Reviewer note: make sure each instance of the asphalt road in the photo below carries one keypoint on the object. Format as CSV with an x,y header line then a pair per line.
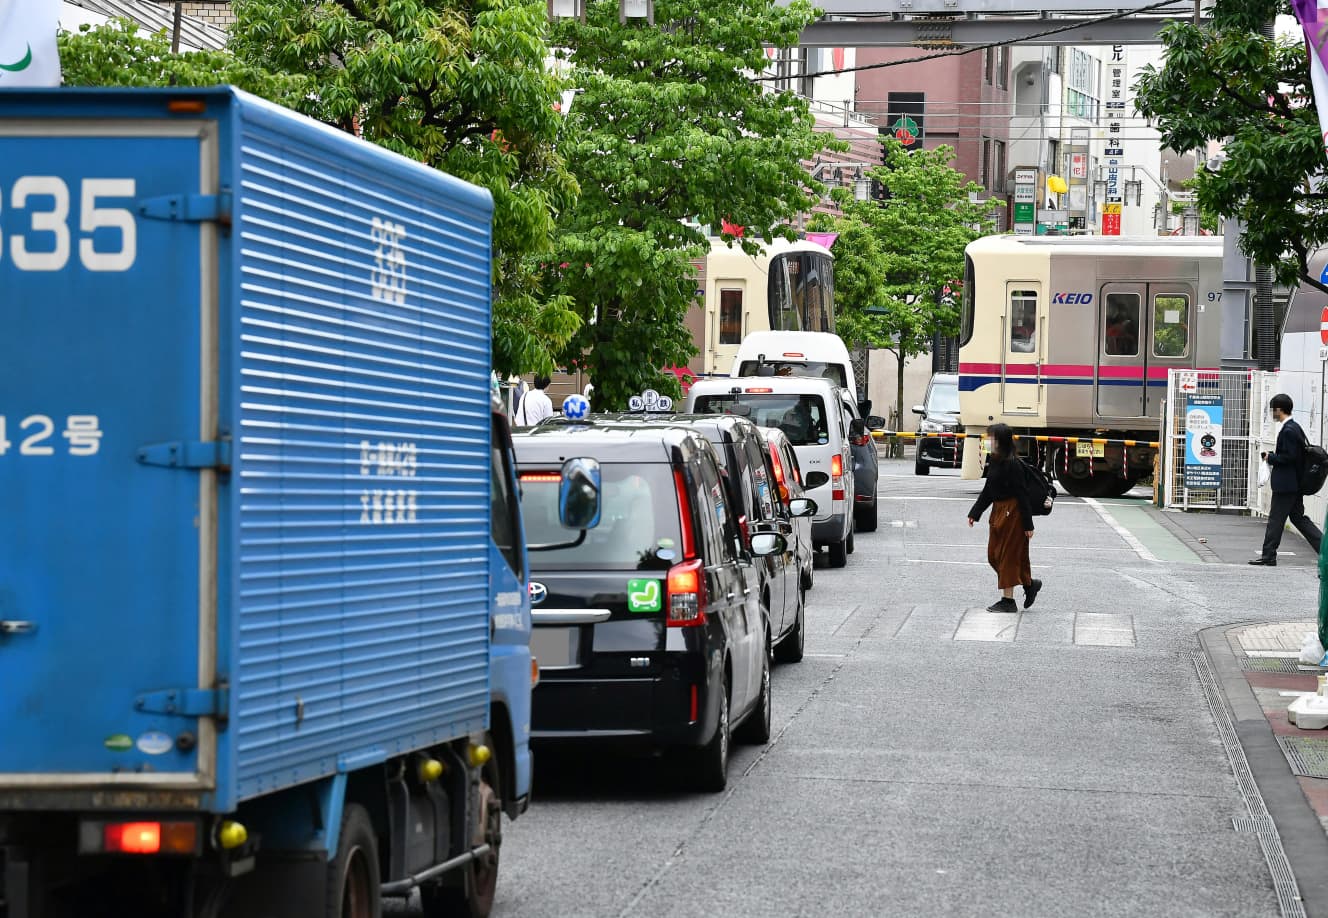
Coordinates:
x,y
930,760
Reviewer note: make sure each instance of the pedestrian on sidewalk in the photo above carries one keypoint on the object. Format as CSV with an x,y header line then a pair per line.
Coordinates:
x,y
535,405
1006,493
1287,461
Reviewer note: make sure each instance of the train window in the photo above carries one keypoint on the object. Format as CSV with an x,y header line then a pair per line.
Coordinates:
x,y
1120,329
1171,325
1023,321
730,317
966,303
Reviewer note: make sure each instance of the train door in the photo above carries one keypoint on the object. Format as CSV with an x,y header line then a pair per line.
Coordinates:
x,y
729,317
1021,351
1143,331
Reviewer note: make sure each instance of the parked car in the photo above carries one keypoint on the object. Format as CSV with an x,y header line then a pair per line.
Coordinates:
x,y
810,413
940,414
648,628
750,477
789,486
866,464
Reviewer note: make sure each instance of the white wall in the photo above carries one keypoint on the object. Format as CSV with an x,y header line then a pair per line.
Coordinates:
x,y
882,384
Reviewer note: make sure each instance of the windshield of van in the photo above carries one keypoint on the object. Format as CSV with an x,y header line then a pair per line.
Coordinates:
x,y
944,398
801,417
815,369
638,527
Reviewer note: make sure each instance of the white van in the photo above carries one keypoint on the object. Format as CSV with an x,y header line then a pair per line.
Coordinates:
x,y
795,353
817,422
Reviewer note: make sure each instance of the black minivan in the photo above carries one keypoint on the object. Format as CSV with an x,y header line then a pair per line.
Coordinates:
x,y
647,626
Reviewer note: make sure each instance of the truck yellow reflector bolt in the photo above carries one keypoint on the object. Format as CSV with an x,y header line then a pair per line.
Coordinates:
x,y
231,835
478,754
430,770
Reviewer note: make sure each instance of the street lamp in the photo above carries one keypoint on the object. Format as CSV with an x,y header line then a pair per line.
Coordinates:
x,y
567,9
636,9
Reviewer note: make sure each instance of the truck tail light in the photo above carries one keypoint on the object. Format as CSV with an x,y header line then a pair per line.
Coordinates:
x,y
837,477
139,837
687,594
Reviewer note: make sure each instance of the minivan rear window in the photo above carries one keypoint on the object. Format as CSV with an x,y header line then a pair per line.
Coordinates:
x,y
816,369
801,417
638,527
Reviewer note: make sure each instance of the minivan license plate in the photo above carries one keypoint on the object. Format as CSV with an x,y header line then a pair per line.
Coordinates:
x,y
555,647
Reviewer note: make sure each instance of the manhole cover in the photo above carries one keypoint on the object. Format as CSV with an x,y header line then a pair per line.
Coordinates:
x,y
1276,665
1307,756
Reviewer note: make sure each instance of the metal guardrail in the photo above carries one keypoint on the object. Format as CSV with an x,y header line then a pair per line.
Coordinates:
x,y
1037,438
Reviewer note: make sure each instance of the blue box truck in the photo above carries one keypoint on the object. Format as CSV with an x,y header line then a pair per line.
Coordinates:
x,y
264,621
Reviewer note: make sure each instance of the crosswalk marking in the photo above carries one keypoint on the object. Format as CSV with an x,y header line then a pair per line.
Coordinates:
x,y
1104,629
981,625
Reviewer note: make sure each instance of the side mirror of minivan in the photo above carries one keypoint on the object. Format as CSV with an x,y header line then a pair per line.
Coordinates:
x,y
919,409
875,422
768,543
815,480
578,494
802,506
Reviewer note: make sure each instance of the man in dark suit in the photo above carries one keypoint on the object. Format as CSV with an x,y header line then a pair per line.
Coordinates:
x,y
1287,461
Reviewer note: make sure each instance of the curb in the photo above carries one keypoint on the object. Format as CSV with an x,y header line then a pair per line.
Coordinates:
x,y
1303,837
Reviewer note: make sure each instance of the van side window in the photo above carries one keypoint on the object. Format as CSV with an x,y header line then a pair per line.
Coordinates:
x,y
764,480
716,511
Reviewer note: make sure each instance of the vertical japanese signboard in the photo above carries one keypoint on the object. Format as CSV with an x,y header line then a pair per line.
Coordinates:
x,y
1115,107
1111,214
1203,441
1025,201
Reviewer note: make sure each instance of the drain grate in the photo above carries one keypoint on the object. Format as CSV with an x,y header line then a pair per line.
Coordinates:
x,y
1276,665
1307,756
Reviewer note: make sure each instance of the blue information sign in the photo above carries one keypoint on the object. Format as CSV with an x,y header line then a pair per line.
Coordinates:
x,y
1203,441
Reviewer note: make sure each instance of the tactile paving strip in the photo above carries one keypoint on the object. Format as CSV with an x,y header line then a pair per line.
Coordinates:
x,y
1307,756
1276,665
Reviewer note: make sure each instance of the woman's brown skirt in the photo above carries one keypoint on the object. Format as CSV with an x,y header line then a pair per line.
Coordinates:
x,y
1007,546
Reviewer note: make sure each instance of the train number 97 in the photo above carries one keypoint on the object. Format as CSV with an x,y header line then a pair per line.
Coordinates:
x,y
1214,297
45,199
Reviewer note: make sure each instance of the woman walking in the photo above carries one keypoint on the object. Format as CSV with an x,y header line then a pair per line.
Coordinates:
x,y
1011,520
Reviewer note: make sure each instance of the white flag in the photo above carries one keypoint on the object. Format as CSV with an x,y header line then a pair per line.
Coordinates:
x,y
28,53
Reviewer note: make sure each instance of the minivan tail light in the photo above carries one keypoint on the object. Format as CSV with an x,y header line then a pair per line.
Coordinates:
x,y
759,390
684,515
793,354
778,465
837,477
686,585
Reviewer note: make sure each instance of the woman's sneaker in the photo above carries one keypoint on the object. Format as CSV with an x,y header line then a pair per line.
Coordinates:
x,y
1003,605
1031,591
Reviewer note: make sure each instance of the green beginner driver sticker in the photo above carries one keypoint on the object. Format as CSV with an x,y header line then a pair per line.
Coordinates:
x,y
644,595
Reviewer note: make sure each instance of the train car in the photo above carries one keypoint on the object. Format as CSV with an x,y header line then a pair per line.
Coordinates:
x,y
1074,336
788,286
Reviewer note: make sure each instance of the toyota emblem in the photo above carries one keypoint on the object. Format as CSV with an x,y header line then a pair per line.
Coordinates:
x,y
538,593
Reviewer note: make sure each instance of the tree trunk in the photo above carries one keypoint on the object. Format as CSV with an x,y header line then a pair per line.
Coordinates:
x,y
898,449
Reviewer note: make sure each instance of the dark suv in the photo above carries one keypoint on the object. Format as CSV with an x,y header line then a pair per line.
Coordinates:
x,y
648,627
940,415
745,463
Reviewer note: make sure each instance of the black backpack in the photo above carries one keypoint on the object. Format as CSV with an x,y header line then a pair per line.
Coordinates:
x,y
1041,492
1313,467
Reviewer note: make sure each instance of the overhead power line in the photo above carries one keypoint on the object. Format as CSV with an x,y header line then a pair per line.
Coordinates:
x,y
1078,24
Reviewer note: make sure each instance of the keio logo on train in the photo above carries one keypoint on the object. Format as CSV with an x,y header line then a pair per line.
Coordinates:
x,y
1082,299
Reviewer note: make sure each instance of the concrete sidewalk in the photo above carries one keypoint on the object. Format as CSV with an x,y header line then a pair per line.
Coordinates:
x,y
1282,770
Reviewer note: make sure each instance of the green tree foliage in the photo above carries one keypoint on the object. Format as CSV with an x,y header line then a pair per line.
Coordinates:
x,y
119,54
898,263
1226,82
669,127
460,85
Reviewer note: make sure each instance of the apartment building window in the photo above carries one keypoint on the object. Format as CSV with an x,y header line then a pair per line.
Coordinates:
x,y
1003,67
997,178
988,64
985,170
814,60
1084,85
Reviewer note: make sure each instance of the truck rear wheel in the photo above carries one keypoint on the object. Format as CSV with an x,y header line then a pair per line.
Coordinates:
x,y
473,896
353,881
